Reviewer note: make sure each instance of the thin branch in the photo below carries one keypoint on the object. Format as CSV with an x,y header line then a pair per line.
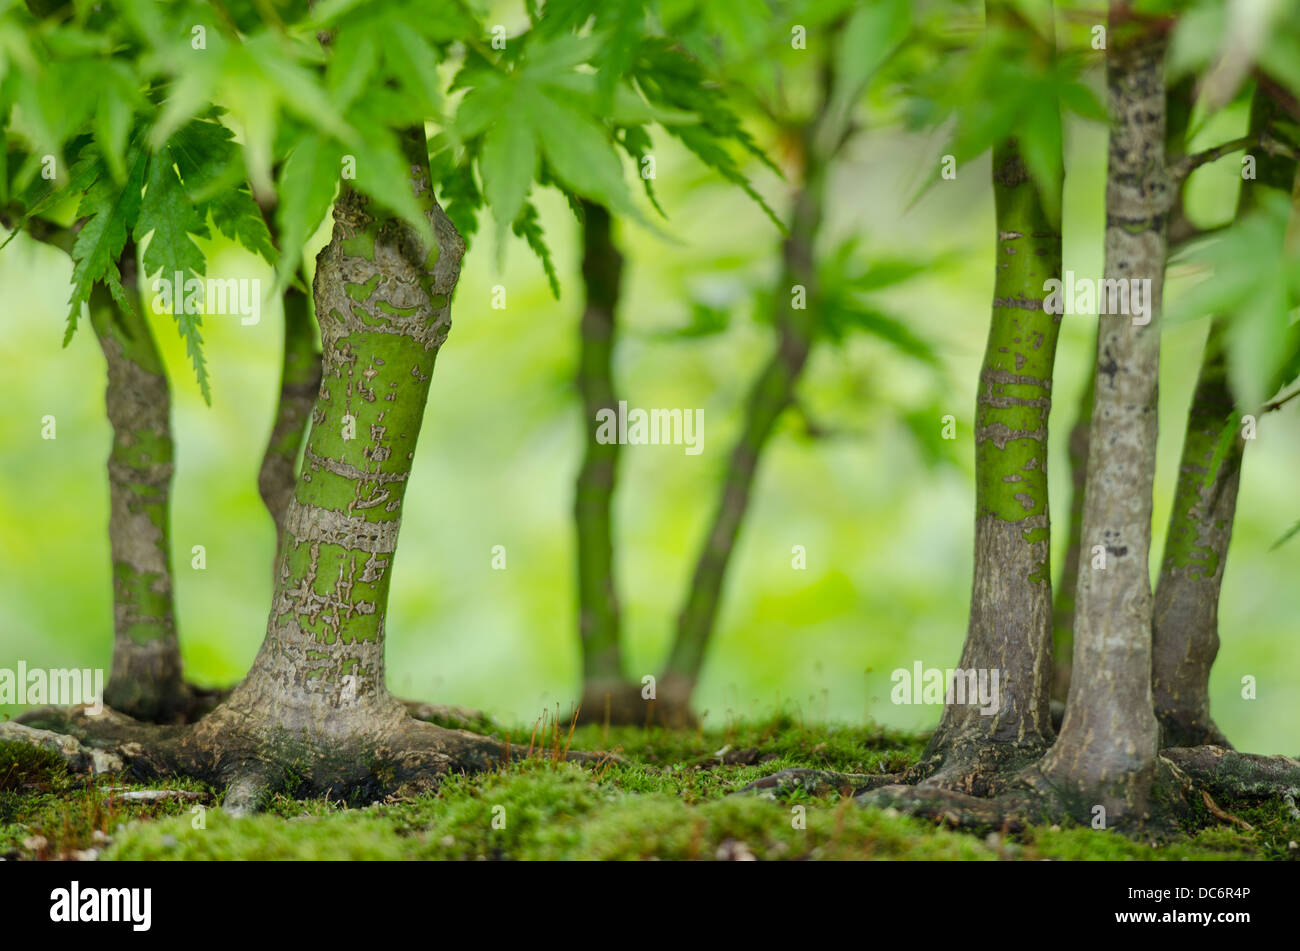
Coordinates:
x,y
1279,403
1188,164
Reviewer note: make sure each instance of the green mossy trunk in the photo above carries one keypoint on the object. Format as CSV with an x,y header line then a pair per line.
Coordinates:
x,y
145,681
382,302
1010,625
1106,752
1010,629
769,396
1186,635
604,685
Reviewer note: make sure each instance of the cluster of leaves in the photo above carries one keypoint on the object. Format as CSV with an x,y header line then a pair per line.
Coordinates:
x,y
987,83
161,116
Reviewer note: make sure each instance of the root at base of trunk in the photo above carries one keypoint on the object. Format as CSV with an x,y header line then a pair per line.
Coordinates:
x,y
974,765
1183,778
1191,786
253,760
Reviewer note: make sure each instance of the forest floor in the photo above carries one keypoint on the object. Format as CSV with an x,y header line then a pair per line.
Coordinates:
x,y
670,797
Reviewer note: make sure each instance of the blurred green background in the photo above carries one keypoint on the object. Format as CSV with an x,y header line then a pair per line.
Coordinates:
x,y
888,535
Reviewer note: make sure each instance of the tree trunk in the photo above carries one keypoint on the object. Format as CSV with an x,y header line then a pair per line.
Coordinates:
x,y
1010,628
382,302
771,393
1106,752
145,681
1186,636
606,693
1063,606
300,376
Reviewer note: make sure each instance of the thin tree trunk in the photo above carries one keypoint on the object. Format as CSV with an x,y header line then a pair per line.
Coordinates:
x,y
1063,607
300,376
606,693
1010,629
382,302
771,393
1186,635
1106,752
145,681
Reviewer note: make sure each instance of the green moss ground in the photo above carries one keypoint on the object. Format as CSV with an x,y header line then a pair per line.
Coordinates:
x,y
667,800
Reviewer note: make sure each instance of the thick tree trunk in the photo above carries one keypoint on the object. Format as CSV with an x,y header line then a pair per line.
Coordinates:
x,y
1010,630
606,694
382,302
1186,635
300,376
1106,752
1063,606
145,681
771,393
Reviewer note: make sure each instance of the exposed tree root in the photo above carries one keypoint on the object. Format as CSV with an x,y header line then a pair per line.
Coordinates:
x,y
817,782
1231,776
974,766
78,757
956,809
459,718
1191,785
253,761
1032,798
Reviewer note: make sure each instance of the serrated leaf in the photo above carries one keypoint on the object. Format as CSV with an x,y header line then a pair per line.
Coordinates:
x,y
238,217
508,164
528,227
170,221
110,211
579,151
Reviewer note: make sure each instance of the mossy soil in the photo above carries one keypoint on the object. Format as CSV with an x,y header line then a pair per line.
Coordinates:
x,y
668,797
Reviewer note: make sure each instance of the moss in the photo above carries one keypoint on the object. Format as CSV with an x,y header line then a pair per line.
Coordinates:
x,y
24,765
670,798
65,816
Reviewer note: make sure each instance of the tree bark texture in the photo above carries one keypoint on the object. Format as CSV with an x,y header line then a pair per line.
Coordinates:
x,y
1106,752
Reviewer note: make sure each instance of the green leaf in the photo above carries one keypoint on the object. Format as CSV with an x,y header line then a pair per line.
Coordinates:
x,y
169,216
309,178
528,227
579,150
110,211
238,217
508,164
873,32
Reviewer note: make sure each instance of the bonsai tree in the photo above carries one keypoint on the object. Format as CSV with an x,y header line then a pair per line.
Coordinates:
x,y
338,100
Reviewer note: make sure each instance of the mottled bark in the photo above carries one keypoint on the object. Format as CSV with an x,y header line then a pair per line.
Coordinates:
x,y
769,396
1010,628
382,302
300,376
1106,752
1186,636
598,611
1063,606
145,680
